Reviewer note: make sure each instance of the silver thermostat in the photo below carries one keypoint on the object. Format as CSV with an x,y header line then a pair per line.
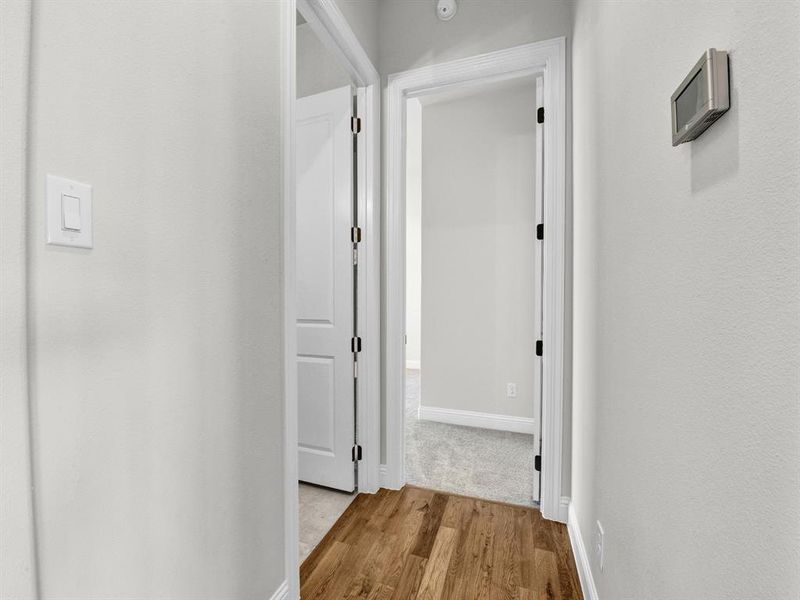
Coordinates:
x,y
701,98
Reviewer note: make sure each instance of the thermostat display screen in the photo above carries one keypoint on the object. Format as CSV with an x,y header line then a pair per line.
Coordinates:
x,y
691,101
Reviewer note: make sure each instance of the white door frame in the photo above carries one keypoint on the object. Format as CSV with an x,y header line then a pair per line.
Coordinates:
x,y
327,21
547,59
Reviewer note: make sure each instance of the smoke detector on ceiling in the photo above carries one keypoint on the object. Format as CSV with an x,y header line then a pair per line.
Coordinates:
x,y
446,9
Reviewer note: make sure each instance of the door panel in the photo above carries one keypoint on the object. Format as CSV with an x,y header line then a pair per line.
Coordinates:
x,y
326,410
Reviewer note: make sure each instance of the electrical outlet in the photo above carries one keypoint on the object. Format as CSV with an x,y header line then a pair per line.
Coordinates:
x,y
598,544
511,390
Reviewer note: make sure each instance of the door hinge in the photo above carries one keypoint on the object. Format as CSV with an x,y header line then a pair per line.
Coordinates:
x,y
537,462
355,124
538,347
355,344
357,453
540,231
355,235
540,115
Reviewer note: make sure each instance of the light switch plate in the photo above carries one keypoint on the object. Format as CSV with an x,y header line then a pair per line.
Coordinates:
x,y
69,213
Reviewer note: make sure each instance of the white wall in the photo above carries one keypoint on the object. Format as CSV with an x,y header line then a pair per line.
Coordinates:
x,y
413,233
687,303
156,357
362,16
412,36
17,560
478,247
317,69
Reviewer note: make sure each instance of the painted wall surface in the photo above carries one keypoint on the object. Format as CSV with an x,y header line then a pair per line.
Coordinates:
x,y
363,18
156,357
17,559
411,35
687,303
478,249
317,69
413,233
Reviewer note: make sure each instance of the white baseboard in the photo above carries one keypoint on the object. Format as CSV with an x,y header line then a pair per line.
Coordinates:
x,y
471,418
581,558
414,365
282,593
383,479
563,510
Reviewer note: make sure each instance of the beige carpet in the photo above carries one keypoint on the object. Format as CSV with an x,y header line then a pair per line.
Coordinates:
x,y
496,465
320,508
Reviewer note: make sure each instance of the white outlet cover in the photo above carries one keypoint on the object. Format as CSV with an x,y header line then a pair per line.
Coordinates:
x,y
599,541
77,230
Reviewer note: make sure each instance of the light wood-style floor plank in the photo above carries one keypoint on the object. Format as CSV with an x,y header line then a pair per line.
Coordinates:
x,y
436,569
421,544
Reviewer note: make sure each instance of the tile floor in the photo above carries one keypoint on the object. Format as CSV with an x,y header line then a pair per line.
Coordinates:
x,y
320,508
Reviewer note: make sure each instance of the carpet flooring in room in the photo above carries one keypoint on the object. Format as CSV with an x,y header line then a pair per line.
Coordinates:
x,y
483,463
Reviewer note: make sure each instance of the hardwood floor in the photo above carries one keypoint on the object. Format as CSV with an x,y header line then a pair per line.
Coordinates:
x,y
418,543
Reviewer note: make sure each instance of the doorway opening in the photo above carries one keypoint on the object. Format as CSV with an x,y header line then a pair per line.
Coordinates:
x,y
546,61
474,290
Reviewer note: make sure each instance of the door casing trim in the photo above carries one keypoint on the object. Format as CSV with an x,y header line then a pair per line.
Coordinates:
x,y
330,25
547,59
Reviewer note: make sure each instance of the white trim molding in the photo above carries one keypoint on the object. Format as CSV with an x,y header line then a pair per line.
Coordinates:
x,y
384,482
327,21
548,60
331,27
470,418
282,593
413,365
581,557
291,503
369,289
563,509
333,30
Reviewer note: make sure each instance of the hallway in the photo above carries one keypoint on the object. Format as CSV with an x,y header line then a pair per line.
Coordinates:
x,y
417,543
229,229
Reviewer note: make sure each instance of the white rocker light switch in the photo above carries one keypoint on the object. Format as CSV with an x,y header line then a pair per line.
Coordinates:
x,y
69,213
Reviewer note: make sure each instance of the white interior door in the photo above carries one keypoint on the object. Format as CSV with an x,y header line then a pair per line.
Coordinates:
x,y
325,303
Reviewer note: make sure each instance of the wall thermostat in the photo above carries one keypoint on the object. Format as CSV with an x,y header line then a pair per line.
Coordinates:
x,y
701,98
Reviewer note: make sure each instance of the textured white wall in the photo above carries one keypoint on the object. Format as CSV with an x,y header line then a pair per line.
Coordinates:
x,y
156,357
17,560
317,69
412,36
362,16
687,303
478,249
413,231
